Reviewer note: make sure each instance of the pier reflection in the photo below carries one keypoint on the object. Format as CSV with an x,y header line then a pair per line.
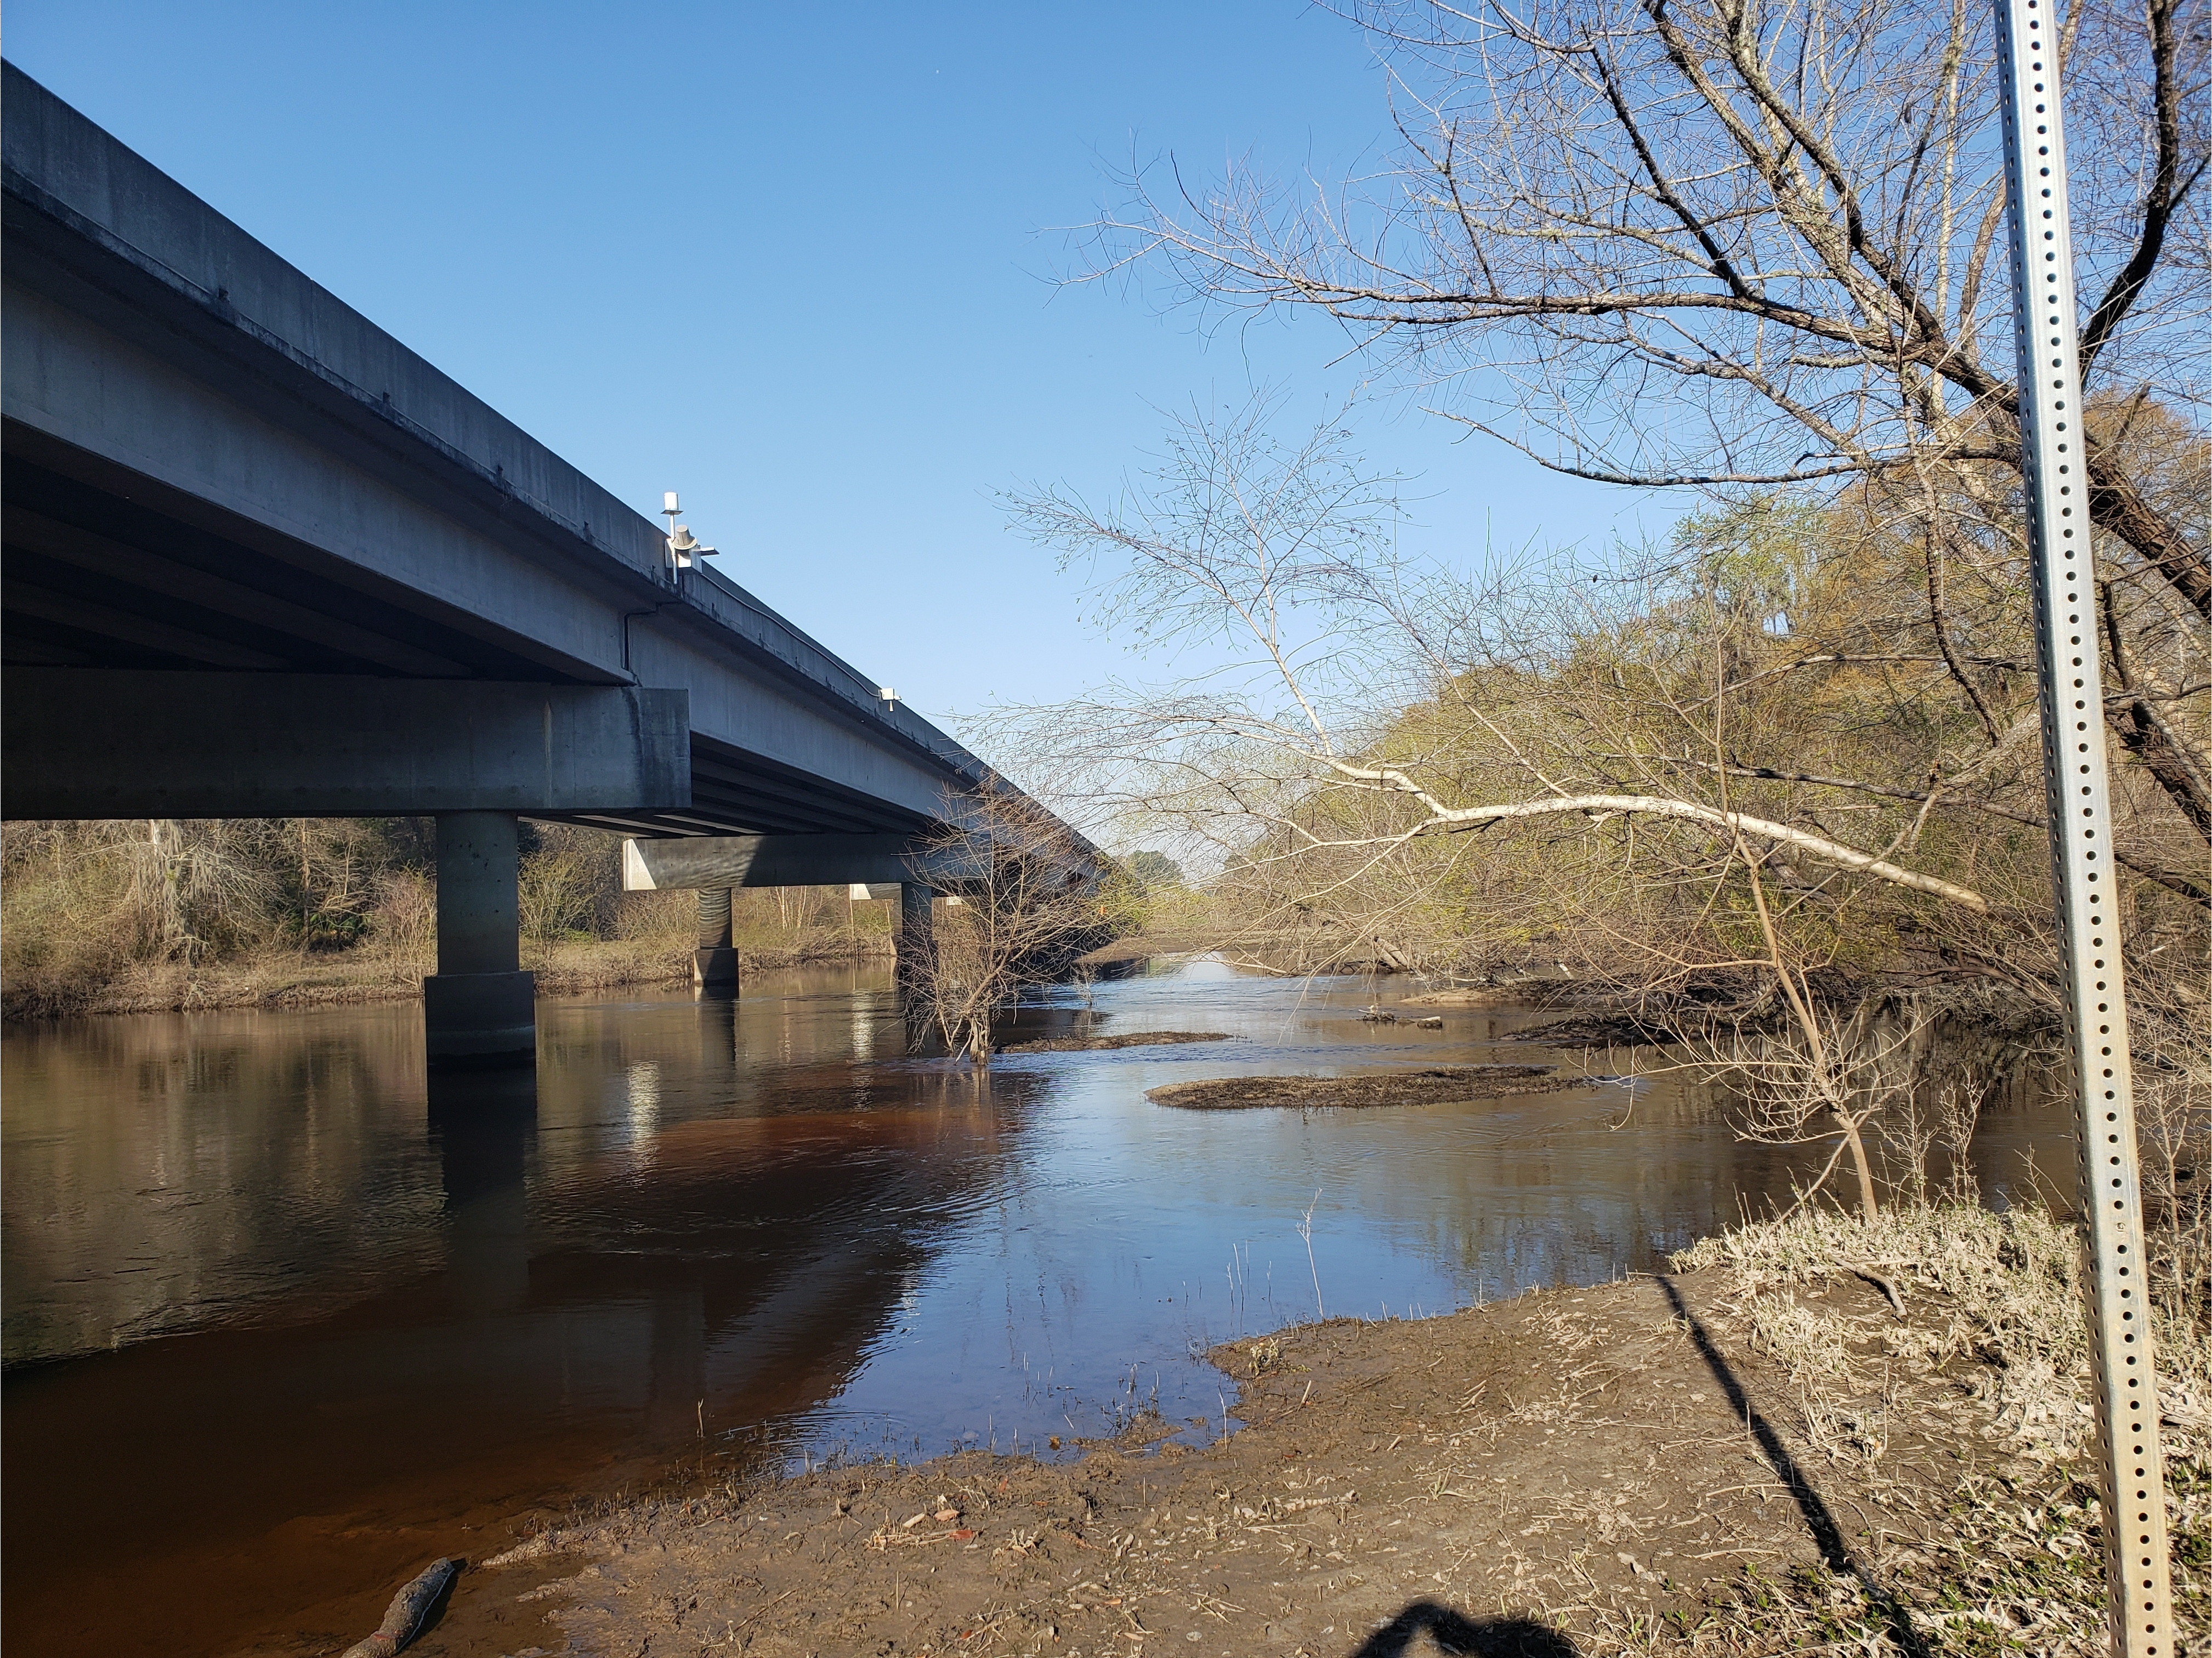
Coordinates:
x,y
503,1290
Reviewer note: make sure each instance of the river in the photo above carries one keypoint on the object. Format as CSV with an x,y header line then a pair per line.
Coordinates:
x,y
282,1322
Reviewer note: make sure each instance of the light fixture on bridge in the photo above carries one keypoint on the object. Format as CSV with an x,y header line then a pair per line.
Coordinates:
x,y
687,547
888,697
682,546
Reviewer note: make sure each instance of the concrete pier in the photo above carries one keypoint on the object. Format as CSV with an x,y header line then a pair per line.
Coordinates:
x,y
714,964
479,1008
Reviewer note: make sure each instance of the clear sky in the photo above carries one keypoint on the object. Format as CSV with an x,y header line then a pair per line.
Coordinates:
x,y
795,262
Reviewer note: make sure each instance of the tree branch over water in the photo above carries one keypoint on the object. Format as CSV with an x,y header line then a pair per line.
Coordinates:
x,y
1428,764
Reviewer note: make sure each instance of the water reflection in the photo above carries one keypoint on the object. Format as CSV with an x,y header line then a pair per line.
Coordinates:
x,y
319,1315
390,1313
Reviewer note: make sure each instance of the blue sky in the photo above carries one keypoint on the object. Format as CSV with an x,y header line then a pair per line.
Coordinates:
x,y
795,262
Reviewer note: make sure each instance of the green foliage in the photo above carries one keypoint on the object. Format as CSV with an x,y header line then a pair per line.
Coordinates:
x,y
1750,559
1123,904
1152,870
1778,661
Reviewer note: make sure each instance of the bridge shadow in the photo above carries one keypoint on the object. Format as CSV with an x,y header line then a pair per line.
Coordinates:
x,y
1460,1636
1819,1520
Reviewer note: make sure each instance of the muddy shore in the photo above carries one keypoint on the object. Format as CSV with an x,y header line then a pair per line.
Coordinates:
x,y
1583,1472
1429,1085
1110,1044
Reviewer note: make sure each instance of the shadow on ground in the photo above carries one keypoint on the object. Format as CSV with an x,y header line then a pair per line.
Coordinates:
x,y
1819,1519
1458,1636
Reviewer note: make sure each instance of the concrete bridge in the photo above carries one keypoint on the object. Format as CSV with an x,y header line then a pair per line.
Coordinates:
x,y
263,561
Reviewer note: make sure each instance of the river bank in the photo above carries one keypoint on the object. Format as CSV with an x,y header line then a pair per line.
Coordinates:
x,y
277,980
1753,1453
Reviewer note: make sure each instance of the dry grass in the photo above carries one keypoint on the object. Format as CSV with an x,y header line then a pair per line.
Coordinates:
x,y
1991,1346
174,916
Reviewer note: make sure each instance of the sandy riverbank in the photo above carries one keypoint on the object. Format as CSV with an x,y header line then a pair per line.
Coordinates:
x,y
1758,1457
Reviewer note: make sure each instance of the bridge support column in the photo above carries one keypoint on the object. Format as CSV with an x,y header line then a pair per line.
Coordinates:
x,y
915,940
479,1008
714,964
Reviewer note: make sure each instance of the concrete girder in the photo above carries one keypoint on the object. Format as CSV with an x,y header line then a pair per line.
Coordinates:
x,y
114,742
788,861
215,465
158,353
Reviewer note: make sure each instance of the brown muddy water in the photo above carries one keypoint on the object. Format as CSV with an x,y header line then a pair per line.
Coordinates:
x,y
281,1323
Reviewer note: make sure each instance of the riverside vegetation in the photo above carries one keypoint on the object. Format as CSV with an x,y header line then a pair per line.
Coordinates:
x,y
153,914
1763,797
1740,805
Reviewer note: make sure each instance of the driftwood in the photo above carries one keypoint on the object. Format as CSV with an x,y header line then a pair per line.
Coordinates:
x,y
410,1609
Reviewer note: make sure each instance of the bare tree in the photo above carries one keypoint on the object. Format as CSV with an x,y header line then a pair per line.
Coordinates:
x,y
1027,905
193,884
1305,752
1733,243
1820,1072
1740,758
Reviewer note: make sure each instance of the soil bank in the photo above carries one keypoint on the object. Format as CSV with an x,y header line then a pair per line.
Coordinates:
x,y
279,980
1572,1473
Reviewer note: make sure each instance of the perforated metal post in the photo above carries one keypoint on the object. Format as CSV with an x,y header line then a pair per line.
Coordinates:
x,y
2139,1602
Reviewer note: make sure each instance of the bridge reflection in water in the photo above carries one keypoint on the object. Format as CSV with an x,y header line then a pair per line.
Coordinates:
x,y
275,1333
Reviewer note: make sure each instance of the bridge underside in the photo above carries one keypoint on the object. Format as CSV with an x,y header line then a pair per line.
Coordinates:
x,y
733,793
107,568
262,561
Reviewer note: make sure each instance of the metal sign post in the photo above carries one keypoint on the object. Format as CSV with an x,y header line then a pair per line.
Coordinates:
x,y
2053,446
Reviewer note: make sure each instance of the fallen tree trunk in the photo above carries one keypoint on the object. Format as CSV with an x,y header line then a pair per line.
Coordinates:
x,y
409,1610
